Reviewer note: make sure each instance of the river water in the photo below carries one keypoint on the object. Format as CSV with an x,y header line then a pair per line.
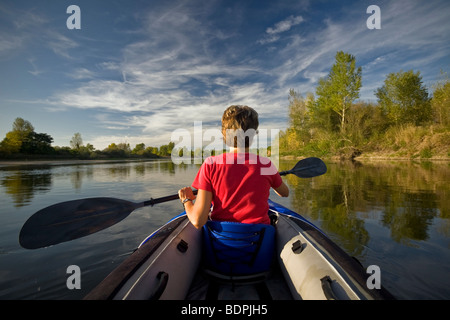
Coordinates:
x,y
392,214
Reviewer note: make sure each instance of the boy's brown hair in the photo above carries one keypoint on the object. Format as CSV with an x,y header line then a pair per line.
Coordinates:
x,y
238,123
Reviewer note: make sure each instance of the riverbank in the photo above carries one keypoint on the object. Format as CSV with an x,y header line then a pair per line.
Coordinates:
x,y
372,157
362,157
4,163
382,157
408,142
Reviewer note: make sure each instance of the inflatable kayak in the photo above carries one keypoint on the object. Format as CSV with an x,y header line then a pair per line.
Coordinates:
x,y
289,259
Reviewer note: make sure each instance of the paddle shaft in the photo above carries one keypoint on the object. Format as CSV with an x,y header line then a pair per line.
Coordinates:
x,y
172,197
283,173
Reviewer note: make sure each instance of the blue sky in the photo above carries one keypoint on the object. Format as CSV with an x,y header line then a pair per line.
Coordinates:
x,y
138,70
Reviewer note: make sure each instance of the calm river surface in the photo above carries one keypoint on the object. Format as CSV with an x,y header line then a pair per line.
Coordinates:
x,y
392,214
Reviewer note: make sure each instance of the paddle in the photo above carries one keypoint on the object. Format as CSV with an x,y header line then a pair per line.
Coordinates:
x,y
307,168
74,219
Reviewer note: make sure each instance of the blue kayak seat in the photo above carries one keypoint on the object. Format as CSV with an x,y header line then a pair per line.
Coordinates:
x,y
236,251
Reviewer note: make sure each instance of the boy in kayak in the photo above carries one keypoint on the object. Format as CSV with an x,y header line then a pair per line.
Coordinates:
x,y
237,184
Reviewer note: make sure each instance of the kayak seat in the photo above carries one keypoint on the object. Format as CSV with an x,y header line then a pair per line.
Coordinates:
x,y
233,250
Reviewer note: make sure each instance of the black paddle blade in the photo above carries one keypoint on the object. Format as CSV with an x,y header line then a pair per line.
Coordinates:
x,y
307,168
73,219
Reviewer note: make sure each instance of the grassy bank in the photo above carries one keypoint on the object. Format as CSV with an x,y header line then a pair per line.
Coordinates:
x,y
410,142
400,142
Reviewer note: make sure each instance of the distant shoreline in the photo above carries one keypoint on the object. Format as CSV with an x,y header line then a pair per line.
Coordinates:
x,y
8,163
372,157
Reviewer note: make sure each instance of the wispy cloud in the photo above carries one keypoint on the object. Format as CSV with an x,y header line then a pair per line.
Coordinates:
x,y
171,71
36,71
272,33
26,29
285,25
9,43
61,45
81,74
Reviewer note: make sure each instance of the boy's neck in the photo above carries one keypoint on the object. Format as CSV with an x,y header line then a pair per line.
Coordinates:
x,y
239,150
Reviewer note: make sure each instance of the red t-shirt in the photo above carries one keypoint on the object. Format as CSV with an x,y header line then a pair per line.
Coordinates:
x,y
240,184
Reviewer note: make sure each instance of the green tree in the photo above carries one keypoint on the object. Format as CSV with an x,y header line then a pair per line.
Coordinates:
x,y
139,149
299,114
14,139
11,143
404,99
76,142
120,150
367,121
166,149
87,151
151,151
37,143
338,90
441,102
23,139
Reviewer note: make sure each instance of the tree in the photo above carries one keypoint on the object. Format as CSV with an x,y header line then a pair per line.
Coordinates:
x,y
339,89
441,102
151,151
23,127
120,150
14,139
11,143
76,141
139,149
86,152
23,139
37,143
166,149
404,99
298,133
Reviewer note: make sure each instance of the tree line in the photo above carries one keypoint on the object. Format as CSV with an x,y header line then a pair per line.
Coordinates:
x,y
23,142
406,120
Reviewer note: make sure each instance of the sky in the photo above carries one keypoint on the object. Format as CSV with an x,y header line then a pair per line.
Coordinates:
x,y
138,70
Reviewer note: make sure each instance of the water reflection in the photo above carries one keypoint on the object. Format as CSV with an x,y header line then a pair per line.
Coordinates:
x,y
23,185
78,174
405,197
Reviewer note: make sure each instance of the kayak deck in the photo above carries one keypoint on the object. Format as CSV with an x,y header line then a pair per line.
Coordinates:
x,y
308,265
274,287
